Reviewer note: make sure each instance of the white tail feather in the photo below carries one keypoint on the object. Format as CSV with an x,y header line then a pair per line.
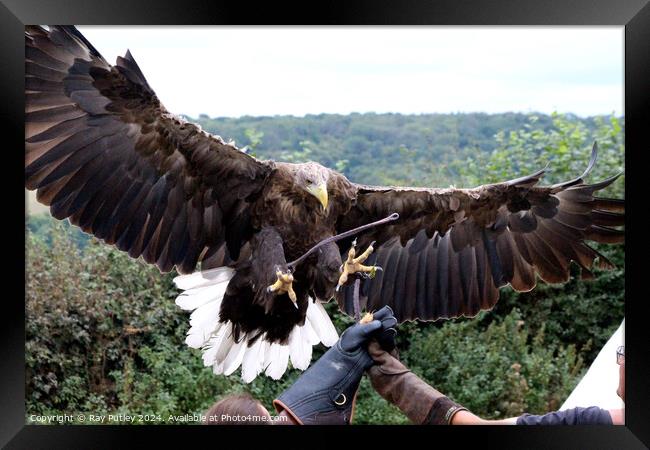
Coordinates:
x,y
208,356
218,341
225,346
204,323
217,369
203,278
235,357
266,349
307,348
279,365
205,315
271,355
195,298
299,356
214,344
252,362
197,337
309,334
203,294
321,323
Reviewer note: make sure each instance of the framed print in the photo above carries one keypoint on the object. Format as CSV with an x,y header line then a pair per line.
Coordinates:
x,y
438,96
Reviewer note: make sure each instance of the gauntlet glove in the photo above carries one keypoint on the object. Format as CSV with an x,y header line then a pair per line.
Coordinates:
x,y
421,403
325,393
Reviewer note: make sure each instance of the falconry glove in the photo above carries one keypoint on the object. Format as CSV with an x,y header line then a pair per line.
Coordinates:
x,y
421,403
325,393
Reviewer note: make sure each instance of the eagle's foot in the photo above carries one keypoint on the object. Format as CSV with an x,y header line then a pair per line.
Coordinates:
x,y
370,273
354,265
284,285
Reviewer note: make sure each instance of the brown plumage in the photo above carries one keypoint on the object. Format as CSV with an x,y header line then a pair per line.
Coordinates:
x,y
452,249
103,151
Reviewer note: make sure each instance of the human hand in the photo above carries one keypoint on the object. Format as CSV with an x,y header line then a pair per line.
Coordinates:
x,y
380,328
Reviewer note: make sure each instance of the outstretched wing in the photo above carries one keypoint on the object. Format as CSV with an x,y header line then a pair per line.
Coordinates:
x,y
101,150
452,249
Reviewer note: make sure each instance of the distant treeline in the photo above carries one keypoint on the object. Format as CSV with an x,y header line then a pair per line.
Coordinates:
x,y
367,147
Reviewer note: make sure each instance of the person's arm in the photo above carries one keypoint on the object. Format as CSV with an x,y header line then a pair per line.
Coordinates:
x,y
425,405
618,416
592,415
468,418
421,403
575,416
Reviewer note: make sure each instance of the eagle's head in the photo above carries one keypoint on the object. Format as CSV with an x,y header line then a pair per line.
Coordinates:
x,y
312,177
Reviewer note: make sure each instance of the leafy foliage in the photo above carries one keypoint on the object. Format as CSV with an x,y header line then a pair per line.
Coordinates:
x,y
502,371
565,148
103,334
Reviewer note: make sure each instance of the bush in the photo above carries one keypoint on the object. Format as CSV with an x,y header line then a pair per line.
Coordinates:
x,y
582,313
502,371
114,343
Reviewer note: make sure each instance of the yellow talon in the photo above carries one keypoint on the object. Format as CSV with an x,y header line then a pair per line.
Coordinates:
x,y
362,257
353,265
284,284
367,318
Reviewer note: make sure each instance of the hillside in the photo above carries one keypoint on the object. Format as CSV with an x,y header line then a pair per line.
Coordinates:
x,y
368,147
423,149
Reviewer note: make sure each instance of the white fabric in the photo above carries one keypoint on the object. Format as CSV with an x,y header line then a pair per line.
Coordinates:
x,y
598,386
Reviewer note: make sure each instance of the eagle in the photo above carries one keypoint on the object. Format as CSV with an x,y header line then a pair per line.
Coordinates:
x,y
102,151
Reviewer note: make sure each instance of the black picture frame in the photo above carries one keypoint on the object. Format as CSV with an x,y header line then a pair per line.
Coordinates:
x,y
633,14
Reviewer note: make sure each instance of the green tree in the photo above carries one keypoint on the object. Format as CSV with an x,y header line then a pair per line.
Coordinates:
x,y
565,148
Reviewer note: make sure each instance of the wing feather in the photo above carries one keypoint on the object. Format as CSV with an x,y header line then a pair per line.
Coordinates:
x,y
103,151
452,249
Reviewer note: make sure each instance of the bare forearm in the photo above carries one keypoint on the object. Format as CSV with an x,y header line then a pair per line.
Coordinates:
x,y
618,416
468,418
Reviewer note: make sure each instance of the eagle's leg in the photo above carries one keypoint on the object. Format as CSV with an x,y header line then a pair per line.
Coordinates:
x,y
270,271
355,299
353,264
284,284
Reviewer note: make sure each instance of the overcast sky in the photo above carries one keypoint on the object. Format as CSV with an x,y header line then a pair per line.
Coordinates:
x,y
235,71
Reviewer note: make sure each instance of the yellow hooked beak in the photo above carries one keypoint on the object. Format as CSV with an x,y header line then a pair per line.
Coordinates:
x,y
320,192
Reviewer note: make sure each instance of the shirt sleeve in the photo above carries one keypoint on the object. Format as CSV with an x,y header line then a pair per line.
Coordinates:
x,y
576,416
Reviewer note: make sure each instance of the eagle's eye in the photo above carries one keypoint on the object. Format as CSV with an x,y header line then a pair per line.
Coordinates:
x,y
310,181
